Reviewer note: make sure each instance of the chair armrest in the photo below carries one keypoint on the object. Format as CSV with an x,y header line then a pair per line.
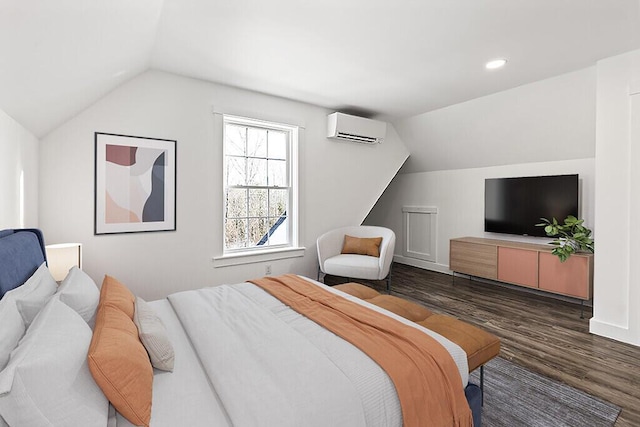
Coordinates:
x,y
329,245
387,248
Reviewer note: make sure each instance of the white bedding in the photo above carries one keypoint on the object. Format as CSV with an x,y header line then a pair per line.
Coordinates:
x,y
245,359
183,397
270,373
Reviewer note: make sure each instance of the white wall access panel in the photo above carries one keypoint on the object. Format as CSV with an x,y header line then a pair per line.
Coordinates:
x,y
420,225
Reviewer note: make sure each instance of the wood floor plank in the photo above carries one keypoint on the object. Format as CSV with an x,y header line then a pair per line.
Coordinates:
x,y
543,334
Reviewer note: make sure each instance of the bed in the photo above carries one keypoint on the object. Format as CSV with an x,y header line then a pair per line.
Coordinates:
x,y
238,356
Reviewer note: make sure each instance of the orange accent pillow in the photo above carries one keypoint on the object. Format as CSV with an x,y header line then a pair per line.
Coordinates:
x,y
362,245
115,293
120,365
117,359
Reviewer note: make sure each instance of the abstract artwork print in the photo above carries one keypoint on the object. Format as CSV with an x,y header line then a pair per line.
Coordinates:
x,y
135,184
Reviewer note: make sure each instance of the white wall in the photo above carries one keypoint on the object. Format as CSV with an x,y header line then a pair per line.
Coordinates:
x,y
548,120
543,128
459,197
339,182
18,158
617,271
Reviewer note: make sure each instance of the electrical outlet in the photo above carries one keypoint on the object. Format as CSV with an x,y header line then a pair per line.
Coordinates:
x,y
267,269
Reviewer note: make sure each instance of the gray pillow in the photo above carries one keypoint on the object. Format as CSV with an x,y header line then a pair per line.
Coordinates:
x,y
47,380
80,293
11,331
153,336
20,306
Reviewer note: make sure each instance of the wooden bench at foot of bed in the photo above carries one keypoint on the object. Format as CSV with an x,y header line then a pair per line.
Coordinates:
x,y
480,345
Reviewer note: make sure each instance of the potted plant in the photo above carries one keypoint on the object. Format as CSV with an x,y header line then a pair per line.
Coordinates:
x,y
572,236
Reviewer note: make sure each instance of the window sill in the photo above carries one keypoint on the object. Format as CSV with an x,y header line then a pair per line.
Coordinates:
x,y
256,256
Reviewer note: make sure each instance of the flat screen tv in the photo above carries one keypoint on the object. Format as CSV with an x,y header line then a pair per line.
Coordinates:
x,y
515,205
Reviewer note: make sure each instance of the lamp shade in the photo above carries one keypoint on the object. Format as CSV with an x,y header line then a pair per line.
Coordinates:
x,y
62,257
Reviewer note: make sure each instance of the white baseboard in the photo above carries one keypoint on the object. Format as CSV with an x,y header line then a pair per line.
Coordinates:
x,y
608,330
426,265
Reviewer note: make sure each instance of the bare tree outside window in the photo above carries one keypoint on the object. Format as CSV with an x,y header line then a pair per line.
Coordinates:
x,y
257,184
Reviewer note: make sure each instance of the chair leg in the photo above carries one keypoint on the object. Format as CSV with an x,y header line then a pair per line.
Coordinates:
x,y
389,279
319,272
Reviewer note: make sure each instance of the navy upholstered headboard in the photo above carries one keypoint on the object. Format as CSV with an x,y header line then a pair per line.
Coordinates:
x,y
21,253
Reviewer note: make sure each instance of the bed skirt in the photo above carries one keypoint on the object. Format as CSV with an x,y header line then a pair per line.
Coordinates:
x,y
473,394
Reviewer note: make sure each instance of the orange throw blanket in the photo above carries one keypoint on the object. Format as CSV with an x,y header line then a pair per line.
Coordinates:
x,y
424,374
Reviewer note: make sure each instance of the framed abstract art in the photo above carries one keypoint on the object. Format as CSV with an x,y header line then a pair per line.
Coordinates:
x,y
135,184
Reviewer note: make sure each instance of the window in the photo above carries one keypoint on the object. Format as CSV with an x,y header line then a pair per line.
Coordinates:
x,y
259,181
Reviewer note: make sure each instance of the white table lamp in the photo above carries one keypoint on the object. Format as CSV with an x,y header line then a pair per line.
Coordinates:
x,y
62,257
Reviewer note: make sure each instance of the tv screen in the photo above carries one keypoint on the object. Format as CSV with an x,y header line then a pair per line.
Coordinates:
x,y
515,205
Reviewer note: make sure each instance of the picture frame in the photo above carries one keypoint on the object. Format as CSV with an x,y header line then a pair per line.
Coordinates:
x,y
135,184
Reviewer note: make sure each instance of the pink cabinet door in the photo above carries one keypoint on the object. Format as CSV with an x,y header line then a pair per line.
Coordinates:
x,y
570,278
518,266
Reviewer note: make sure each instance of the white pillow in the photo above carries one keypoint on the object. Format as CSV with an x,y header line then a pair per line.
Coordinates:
x,y
19,306
80,292
153,336
35,293
47,380
11,330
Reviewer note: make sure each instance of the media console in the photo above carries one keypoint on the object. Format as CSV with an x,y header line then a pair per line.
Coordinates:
x,y
523,264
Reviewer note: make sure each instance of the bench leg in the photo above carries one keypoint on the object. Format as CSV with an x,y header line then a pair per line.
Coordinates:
x,y
482,384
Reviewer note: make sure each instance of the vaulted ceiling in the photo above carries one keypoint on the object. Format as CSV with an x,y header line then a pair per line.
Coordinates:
x,y
394,59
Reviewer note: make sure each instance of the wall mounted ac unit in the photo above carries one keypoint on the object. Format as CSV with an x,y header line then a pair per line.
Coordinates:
x,y
355,129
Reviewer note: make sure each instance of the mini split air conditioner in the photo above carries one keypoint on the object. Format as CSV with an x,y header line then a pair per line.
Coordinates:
x,y
355,129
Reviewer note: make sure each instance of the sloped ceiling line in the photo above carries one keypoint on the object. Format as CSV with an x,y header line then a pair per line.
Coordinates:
x,y
394,60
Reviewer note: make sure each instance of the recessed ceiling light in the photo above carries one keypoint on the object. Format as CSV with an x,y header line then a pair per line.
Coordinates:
x,y
495,63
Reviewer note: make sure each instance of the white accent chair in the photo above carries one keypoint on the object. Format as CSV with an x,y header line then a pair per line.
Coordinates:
x,y
332,261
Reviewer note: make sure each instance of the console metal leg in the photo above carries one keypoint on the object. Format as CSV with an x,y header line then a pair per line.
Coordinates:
x,y
582,309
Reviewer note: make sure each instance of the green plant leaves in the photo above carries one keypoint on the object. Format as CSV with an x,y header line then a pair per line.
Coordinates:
x,y
571,235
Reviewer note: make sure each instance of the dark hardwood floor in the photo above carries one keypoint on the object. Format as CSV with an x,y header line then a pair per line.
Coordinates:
x,y
541,333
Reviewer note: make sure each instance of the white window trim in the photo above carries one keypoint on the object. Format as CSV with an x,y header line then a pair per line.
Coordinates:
x,y
256,255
